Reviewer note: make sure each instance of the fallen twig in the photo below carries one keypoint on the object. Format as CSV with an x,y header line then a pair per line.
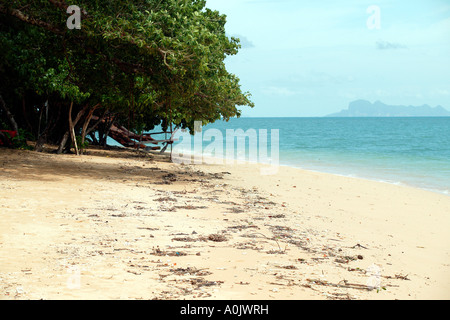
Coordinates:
x,y
358,246
345,284
274,239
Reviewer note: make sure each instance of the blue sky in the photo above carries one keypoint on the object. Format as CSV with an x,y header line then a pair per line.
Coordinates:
x,y
311,58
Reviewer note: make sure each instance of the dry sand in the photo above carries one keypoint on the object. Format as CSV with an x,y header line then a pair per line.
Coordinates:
x,y
123,225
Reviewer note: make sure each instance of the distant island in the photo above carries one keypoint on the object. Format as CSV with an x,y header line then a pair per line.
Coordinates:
x,y
363,108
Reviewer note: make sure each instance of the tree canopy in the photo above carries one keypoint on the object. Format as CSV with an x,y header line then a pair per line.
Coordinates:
x,y
136,63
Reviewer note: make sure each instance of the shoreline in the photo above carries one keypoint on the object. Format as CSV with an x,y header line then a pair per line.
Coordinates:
x,y
122,225
380,180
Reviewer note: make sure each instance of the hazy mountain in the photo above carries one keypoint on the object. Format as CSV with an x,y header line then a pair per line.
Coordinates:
x,y
363,108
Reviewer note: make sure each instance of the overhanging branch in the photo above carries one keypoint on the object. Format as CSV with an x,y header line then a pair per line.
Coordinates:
x,y
27,19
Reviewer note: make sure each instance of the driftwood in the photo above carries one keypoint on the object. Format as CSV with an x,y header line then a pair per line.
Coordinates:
x,y
341,284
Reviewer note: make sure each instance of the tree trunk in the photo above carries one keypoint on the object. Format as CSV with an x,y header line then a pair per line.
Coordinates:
x,y
69,132
108,128
40,142
105,128
86,123
94,139
9,115
99,120
63,142
72,130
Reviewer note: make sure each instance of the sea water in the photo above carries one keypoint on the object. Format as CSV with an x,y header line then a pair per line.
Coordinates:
x,y
411,151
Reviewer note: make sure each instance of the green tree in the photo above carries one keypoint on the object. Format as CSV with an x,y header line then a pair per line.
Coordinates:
x,y
142,63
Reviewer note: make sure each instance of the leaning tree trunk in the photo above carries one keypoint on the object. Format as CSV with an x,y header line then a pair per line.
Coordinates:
x,y
71,131
100,120
63,143
103,134
86,123
9,115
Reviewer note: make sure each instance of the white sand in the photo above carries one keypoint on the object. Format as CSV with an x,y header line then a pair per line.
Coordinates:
x,y
111,225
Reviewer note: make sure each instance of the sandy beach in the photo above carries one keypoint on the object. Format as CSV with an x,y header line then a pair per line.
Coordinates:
x,y
125,225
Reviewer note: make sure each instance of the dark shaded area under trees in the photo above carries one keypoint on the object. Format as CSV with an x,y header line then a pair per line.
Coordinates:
x,y
132,66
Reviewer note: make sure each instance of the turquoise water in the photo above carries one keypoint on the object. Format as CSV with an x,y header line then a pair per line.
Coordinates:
x,y
408,151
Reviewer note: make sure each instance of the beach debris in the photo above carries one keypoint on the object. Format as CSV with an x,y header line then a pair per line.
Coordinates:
x,y
277,216
134,272
248,245
397,276
217,237
339,296
191,207
340,260
340,284
170,177
242,227
158,252
289,267
229,202
166,209
358,246
347,259
184,239
165,199
19,290
201,282
282,232
299,243
180,192
121,215
190,271
274,239
148,228
273,251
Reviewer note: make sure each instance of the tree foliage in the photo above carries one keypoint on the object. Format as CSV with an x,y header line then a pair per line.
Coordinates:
x,y
147,62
